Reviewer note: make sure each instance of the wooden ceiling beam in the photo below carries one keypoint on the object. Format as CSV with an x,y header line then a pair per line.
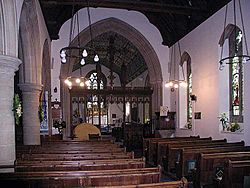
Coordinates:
x,y
129,5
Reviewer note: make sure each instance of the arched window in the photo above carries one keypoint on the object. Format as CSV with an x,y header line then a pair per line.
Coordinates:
x,y
235,77
92,82
185,102
235,71
189,93
96,105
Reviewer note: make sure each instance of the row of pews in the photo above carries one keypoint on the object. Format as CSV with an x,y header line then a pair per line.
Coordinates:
x,y
99,163
203,161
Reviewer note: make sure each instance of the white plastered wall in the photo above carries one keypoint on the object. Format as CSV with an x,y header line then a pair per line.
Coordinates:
x,y
202,45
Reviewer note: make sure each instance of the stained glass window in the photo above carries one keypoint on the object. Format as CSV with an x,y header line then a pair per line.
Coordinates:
x,y
92,82
236,77
189,93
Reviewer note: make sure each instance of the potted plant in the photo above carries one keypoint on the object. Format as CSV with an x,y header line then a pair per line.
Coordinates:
x,y
234,127
17,109
224,120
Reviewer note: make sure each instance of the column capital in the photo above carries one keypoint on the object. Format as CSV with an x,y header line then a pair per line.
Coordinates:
x,y
30,87
9,62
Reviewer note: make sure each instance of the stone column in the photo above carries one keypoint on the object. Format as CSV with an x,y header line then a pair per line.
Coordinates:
x,y
8,66
31,124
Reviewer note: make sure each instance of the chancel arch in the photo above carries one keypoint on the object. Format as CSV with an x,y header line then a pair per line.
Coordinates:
x,y
134,37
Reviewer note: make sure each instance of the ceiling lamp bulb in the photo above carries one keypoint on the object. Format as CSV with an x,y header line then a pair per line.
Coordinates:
x,y
183,84
170,84
78,80
63,54
167,84
176,86
82,84
69,83
84,53
63,60
82,62
96,58
66,81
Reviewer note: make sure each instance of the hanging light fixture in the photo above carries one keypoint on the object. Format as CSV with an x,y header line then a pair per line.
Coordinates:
x,y
234,57
77,81
173,82
77,52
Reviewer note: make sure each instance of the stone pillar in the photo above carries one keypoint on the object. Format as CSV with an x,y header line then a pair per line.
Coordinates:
x,y
31,124
8,66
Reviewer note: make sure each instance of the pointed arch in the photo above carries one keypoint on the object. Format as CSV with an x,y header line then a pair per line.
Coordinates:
x,y
8,28
138,40
228,31
235,75
29,33
130,33
185,104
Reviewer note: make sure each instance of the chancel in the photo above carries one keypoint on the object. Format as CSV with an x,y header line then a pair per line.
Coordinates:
x,y
83,96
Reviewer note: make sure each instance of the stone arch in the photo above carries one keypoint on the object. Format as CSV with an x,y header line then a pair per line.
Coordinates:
x,y
185,57
138,40
30,41
127,31
227,33
8,28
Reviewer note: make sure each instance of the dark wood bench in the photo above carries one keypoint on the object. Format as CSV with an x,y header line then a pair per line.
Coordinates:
x,y
235,173
82,178
55,157
173,158
172,184
28,166
153,146
168,155
190,156
212,165
146,142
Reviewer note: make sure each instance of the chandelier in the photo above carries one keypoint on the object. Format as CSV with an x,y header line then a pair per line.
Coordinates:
x,y
173,82
234,57
78,52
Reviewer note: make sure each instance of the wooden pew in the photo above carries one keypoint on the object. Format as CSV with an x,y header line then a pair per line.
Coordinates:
x,y
153,146
235,171
82,178
21,154
65,157
210,164
172,156
172,184
146,142
28,166
191,155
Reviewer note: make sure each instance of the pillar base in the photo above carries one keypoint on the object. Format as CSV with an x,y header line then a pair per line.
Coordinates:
x,y
8,66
